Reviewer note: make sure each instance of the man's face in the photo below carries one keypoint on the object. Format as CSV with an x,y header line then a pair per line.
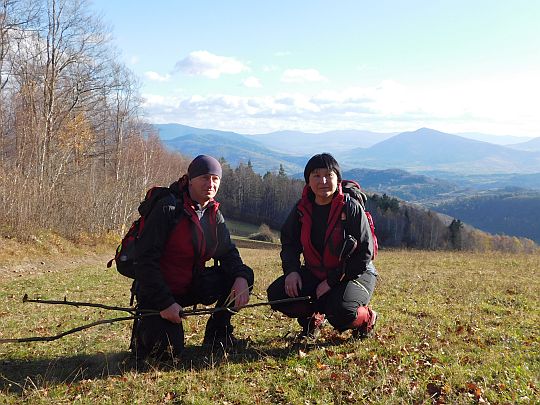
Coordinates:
x,y
203,188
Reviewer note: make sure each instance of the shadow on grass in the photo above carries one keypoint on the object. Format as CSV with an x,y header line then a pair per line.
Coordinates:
x,y
30,374
20,375
17,376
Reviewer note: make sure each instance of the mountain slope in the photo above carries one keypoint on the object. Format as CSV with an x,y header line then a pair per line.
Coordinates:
x,y
429,149
488,181
510,213
532,145
302,143
235,149
170,131
506,140
424,150
402,184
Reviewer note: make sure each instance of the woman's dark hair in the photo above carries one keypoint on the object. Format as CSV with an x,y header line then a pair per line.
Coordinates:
x,y
322,161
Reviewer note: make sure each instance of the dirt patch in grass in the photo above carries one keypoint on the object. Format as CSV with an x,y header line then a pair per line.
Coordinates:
x,y
46,254
245,243
36,267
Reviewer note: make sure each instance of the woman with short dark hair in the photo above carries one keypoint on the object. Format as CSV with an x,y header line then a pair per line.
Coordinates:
x,y
333,234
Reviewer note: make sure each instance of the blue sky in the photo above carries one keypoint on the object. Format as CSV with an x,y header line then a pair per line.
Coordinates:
x,y
255,67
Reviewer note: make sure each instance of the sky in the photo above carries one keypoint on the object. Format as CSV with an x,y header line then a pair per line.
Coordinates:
x,y
386,66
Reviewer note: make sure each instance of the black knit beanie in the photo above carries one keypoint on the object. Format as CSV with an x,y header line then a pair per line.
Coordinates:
x,y
204,164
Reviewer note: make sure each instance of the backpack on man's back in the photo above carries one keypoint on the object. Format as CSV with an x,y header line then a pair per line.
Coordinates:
x,y
126,250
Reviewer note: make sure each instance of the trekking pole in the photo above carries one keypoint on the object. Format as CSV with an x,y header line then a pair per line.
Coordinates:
x,y
130,310
135,314
207,311
277,302
70,331
135,311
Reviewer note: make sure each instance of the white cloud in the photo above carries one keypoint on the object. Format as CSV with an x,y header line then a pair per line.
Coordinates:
x,y
302,76
497,105
252,82
154,100
156,77
204,63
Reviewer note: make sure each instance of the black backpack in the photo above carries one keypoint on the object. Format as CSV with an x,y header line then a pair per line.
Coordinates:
x,y
354,191
125,252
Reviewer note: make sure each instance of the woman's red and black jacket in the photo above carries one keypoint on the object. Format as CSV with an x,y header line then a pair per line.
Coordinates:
x,y
296,239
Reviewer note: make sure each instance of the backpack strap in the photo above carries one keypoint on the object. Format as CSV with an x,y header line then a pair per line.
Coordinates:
x,y
346,230
345,214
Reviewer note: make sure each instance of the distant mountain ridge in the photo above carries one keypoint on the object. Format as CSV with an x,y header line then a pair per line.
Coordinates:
x,y
402,184
423,150
301,143
233,147
502,212
489,181
170,131
532,145
506,140
427,149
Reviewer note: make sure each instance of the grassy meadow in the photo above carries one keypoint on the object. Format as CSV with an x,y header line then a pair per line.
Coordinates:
x,y
456,328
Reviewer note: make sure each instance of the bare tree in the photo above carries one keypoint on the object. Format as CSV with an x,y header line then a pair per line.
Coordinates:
x,y
74,48
15,17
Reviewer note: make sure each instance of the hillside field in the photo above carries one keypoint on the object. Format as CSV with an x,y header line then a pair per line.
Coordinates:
x,y
454,328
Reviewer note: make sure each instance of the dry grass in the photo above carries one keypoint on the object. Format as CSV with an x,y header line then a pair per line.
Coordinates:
x,y
454,328
47,252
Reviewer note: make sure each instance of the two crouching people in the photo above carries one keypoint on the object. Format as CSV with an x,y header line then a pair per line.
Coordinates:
x,y
183,232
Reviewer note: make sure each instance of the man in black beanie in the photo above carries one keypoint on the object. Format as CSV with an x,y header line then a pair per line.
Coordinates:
x,y
181,234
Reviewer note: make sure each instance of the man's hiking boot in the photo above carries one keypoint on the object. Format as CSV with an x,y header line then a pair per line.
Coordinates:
x,y
157,339
366,330
220,337
311,327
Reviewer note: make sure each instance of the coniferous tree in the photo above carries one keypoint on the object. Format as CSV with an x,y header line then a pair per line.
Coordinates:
x,y
455,228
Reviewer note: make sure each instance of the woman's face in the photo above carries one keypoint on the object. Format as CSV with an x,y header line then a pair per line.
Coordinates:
x,y
323,183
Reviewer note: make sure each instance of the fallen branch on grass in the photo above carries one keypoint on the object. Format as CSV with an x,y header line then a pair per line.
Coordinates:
x,y
68,332
131,310
135,314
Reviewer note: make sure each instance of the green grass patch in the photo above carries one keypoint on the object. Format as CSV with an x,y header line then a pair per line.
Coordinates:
x,y
454,328
238,228
243,229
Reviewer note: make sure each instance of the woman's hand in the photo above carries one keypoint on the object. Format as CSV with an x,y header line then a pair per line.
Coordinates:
x,y
240,292
293,284
172,313
322,289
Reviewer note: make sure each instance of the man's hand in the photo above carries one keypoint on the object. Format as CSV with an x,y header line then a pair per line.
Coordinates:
x,y
240,292
322,289
293,284
172,313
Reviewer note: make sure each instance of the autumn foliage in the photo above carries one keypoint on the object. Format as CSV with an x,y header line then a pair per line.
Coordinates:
x,y
75,156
